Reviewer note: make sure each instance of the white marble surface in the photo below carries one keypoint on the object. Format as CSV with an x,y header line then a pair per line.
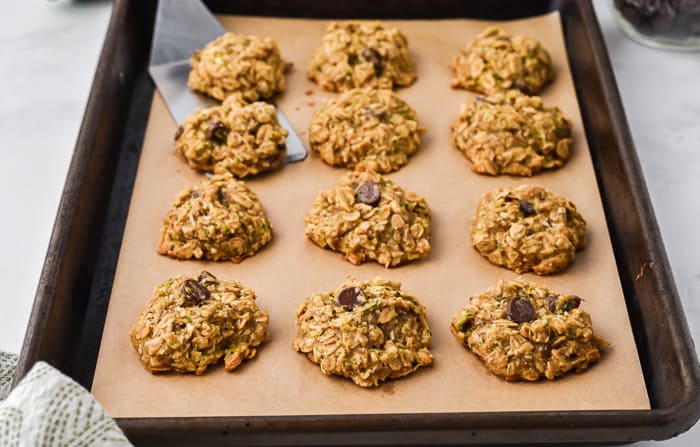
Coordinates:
x,y
49,52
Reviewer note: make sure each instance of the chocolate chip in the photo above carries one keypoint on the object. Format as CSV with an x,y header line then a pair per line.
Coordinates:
x,y
221,197
216,131
522,87
527,208
380,115
520,309
194,292
569,303
178,132
371,54
369,193
572,302
206,277
195,194
349,298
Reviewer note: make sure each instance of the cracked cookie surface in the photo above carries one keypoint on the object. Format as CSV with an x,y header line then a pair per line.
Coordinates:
x,y
367,217
235,137
368,331
191,322
219,219
365,129
234,63
511,133
497,61
524,331
361,54
527,228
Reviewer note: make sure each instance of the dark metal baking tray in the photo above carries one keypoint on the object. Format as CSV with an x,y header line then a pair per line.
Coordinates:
x,y
71,301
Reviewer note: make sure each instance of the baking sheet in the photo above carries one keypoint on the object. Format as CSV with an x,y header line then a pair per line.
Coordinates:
x,y
280,381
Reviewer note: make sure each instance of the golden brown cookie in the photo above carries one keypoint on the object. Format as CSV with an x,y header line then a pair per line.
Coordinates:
x,y
365,129
235,137
524,331
511,133
367,217
361,54
190,322
233,63
497,61
219,219
367,331
528,228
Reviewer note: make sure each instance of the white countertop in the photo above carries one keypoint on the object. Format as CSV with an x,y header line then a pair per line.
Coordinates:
x,y
50,51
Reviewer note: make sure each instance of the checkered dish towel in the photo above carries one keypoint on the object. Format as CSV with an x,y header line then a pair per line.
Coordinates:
x,y
49,409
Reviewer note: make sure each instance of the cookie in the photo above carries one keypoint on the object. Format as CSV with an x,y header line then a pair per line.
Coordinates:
x,y
190,322
367,217
236,137
365,129
219,219
496,61
511,133
368,332
361,54
527,228
524,331
233,63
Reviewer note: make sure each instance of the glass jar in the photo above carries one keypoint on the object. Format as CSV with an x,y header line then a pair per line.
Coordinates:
x,y
667,24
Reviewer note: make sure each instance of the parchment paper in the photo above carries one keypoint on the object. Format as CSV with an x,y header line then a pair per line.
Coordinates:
x,y
280,381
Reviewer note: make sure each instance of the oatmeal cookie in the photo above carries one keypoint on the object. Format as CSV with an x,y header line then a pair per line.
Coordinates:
x,y
524,331
495,61
528,228
365,129
234,63
190,322
219,219
511,133
361,54
369,331
235,137
369,218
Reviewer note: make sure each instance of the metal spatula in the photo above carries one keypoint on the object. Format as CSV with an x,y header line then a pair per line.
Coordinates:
x,y
183,26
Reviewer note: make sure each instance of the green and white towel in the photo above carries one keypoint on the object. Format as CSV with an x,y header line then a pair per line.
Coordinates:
x,y
49,409
8,365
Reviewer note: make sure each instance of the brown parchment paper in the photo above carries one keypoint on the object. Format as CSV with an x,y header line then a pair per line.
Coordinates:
x,y
280,381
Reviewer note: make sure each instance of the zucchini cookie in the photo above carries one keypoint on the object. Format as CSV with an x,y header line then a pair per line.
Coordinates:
x,y
495,61
234,63
369,218
524,331
511,133
528,228
365,129
361,54
190,322
368,332
235,137
219,219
